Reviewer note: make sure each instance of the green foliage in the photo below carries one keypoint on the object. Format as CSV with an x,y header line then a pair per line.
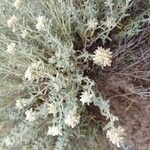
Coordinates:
x,y
39,66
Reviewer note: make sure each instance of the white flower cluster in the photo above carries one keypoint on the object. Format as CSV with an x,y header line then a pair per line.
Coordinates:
x,y
17,3
115,135
11,48
72,119
54,131
12,23
110,23
86,98
9,141
103,57
41,23
24,34
52,109
30,115
34,71
21,103
92,24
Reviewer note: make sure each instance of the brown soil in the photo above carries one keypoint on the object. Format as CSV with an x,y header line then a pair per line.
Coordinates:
x,y
134,117
133,110
127,87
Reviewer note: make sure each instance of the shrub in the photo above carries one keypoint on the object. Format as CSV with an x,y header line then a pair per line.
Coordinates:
x,y
44,92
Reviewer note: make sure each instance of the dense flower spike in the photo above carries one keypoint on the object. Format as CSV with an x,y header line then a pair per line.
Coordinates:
x,y
30,115
102,57
86,98
72,119
115,135
12,23
54,131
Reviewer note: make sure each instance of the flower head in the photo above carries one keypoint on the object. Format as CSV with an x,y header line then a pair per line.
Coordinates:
x,y
24,34
12,23
110,23
54,131
52,109
21,103
92,24
30,115
17,4
86,98
103,57
71,119
11,48
115,135
34,71
41,23
9,141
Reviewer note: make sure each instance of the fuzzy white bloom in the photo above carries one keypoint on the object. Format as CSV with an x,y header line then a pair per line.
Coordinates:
x,y
11,48
86,98
24,34
12,23
92,24
72,119
103,57
21,103
41,23
52,109
115,135
54,131
8,141
110,23
17,4
34,71
30,115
